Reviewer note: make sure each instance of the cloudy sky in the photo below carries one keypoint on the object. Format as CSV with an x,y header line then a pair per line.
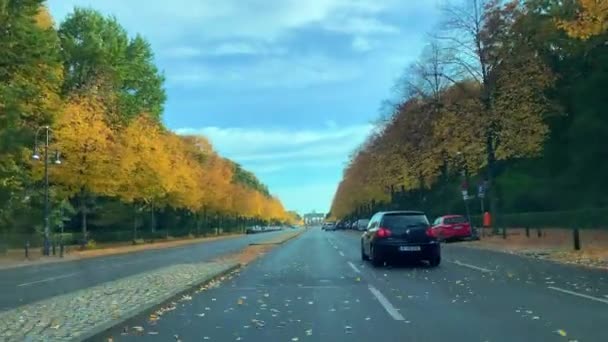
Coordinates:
x,y
287,88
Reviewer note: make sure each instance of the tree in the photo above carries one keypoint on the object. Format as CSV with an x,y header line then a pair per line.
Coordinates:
x,y
98,54
145,176
30,77
591,20
87,147
486,47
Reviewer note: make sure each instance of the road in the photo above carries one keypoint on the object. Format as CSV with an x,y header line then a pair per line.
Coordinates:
x,y
25,285
316,288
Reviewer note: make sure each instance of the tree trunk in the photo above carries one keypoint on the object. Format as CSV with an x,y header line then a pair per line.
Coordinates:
x,y
135,217
152,220
491,158
197,222
83,213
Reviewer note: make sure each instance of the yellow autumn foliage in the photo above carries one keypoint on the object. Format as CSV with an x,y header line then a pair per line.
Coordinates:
x,y
591,20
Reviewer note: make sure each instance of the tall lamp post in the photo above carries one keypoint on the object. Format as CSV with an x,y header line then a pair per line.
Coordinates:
x,y
36,156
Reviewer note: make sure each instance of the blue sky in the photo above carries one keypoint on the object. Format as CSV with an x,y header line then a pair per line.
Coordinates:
x,y
287,88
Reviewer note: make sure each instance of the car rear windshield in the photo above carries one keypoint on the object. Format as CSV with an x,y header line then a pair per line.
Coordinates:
x,y
456,219
403,221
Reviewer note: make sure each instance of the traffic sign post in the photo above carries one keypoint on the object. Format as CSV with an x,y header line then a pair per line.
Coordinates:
x,y
481,193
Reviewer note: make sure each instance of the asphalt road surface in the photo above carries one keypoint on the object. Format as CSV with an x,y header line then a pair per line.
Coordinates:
x,y
316,288
23,285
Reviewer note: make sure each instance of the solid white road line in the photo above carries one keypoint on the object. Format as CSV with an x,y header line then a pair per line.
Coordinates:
x,y
354,267
582,295
342,254
48,279
394,313
477,268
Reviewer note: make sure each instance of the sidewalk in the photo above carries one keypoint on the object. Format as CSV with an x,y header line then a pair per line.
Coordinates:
x,y
555,244
16,257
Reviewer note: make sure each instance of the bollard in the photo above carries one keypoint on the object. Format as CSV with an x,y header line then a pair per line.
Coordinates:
x,y
539,232
577,239
61,249
54,245
504,232
527,231
27,250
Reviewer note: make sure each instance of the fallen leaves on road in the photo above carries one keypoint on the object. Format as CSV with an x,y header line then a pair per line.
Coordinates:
x,y
561,332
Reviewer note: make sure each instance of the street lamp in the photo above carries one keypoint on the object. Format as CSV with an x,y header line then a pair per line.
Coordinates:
x,y
57,161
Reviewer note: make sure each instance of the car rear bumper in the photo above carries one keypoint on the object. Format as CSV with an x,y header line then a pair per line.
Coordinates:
x,y
392,250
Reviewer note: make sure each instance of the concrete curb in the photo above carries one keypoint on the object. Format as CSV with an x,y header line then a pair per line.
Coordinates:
x,y
277,242
100,329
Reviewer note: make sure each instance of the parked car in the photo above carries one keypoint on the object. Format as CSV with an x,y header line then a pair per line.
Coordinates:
x,y
342,225
361,225
399,235
329,226
451,227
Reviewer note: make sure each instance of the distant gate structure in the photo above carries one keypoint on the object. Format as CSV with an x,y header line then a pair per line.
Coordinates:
x,y
313,218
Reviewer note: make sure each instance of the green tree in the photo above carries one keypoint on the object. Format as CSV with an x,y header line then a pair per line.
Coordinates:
x,y
99,54
30,77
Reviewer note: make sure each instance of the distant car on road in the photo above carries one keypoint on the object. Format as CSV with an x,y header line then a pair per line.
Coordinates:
x,y
329,226
361,225
451,227
400,235
342,225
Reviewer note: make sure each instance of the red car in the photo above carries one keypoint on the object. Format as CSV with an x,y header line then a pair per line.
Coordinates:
x,y
451,227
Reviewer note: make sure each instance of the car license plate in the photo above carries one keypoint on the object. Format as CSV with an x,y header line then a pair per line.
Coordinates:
x,y
409,248
457,227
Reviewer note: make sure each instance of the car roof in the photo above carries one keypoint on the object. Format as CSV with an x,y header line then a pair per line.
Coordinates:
x,y
408,212
451,216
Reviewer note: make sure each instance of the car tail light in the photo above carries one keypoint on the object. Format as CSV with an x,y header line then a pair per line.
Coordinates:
x,y
383,233
429,232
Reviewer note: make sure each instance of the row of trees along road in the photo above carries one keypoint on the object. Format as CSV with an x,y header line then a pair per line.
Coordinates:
x,y
510,93
100,92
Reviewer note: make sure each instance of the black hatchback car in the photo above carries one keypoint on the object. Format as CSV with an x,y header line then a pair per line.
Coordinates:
x,y
400,235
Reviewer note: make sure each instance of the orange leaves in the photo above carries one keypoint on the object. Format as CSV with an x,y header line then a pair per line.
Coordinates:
x,y
87,147
592,20
144,167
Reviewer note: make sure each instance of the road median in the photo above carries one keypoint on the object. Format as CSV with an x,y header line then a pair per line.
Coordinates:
x,y
15,258
85,313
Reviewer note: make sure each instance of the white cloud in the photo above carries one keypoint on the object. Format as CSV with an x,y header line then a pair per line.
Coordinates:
x,y
261,19
282,71
361,44
276,156
182,52
363,25
269,144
